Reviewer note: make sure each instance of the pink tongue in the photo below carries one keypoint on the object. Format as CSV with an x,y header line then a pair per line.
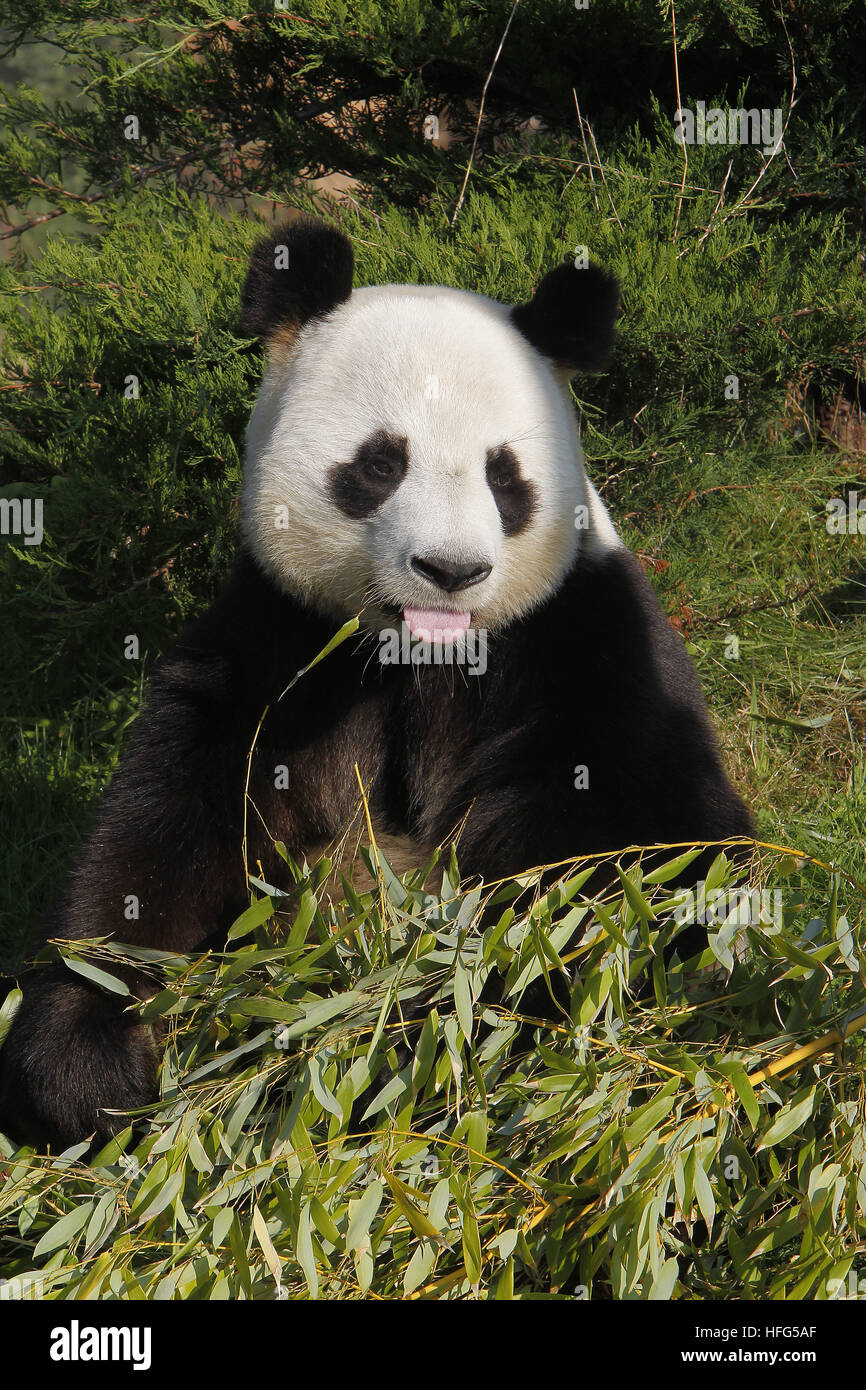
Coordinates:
x,y
436,624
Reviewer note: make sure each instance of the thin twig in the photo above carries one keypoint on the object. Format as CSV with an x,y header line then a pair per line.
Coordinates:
x,y
481,113
585,149
247,793
380,877
603,179
719,202
743,201
792,102
679,109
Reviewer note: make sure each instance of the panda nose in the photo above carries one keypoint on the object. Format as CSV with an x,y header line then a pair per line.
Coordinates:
x,y
447,575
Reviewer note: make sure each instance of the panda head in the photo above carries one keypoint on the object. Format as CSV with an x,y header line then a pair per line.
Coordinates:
x,y
414,450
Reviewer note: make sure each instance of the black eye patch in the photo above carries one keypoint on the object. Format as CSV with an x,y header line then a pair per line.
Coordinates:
x,y
514,496
377,470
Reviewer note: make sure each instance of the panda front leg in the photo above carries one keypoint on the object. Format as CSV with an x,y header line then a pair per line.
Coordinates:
x,y
163,868
73,1054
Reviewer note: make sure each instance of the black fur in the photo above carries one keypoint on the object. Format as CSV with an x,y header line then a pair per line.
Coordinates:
x,y
317,278
596,676
571,317
514,496
360,487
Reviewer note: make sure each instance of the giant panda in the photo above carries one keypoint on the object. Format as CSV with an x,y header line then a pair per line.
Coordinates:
x,y
413,456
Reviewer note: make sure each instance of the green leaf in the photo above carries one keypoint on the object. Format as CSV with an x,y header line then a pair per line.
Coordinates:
x,y
395,1087
592,999
463,1001
739,1079
322,1011
648,1117
222,1225
8,1010
790,1118
425,1051
96,976
420,1266
324,1223
163,1197
704,1194
102,1222
403,1195
505,1283
471,1248
672,868
608,924
721,952
338,638
362,1213
664,1282
256,913
635,899
272,1259
817,721
63,1232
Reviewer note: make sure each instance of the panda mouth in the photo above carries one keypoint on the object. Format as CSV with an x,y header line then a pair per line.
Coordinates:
x,y
441,625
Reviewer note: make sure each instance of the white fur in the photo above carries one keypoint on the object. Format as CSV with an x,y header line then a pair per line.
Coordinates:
x,y
447,370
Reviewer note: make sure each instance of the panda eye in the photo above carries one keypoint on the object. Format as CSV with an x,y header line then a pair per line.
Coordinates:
x,y
502,472
361,484
379,466
514,495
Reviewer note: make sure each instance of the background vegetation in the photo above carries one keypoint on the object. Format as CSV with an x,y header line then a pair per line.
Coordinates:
x,y
125,258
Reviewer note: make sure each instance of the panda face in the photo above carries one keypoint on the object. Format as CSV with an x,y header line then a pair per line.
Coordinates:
x,y
411,453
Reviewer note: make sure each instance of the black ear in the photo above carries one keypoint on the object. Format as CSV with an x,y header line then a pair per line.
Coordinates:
x,y
301,271
571,317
